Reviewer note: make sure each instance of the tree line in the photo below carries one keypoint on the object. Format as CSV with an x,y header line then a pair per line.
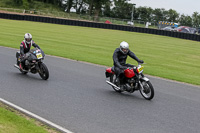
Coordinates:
x,y
121,9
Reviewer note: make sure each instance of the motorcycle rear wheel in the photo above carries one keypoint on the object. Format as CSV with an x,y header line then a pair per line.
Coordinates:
x,y
23,72
44,72
112,79
147,90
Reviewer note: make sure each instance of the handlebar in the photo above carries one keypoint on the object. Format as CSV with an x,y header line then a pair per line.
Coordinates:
x,y
141,63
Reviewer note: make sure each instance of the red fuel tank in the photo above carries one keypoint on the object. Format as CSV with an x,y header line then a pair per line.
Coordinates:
x,y
129,73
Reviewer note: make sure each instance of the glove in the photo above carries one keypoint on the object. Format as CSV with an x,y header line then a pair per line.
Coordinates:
x,y
140,61
22,56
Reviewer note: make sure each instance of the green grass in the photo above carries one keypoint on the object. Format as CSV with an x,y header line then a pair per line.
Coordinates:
x,y
166,57
12,122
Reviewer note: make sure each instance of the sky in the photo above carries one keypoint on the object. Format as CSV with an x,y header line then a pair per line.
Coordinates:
x,y
186,7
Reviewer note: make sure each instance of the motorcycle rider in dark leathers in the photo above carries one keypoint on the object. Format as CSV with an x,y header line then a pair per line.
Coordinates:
x,y
25,47
119,59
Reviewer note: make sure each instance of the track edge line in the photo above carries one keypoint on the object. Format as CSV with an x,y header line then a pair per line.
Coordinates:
x,y
46,122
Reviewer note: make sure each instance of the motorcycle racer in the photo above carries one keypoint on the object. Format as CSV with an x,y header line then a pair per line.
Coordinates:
x,y
25,47
119,59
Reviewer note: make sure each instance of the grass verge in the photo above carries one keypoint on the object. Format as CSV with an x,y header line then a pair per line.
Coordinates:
x,y
12,121
166,57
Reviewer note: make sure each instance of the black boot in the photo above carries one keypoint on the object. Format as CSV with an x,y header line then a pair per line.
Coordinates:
x,y
117,81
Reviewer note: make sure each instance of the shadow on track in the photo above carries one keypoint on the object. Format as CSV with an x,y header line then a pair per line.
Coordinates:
x,y
33,77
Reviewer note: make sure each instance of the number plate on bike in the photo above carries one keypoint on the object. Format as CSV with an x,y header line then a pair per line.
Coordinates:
x,y
39,56
140,69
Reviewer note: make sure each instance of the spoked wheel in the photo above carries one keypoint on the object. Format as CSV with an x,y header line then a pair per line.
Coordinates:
x,y
112,79
147,90
44,72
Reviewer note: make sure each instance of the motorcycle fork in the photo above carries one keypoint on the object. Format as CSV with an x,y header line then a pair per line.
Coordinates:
x,y
37,67
137,81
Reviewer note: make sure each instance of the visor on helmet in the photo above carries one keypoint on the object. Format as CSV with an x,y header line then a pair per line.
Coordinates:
x,y
125,50
28,39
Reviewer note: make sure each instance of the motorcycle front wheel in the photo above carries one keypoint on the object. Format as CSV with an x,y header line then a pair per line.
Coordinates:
x,y
112,79
147,90
44,72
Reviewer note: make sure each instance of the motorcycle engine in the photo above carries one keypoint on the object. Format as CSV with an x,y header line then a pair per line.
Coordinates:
x,y
131,80
27,62
128,87
34,70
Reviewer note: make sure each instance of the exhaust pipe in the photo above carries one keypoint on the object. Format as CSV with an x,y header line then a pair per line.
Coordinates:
x,y
19,68
110,83
16,66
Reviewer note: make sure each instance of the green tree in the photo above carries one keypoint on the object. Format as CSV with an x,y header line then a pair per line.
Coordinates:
x,y
173,16
69,4
95,7
185,20
107,11
165,14
98,4
122,9
78,5
158,15
56,2
25,4
196,19
90,6
18,2
145,13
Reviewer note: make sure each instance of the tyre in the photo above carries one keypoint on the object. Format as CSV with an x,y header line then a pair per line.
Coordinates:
x,y
147,90
44,72
23,72
112,79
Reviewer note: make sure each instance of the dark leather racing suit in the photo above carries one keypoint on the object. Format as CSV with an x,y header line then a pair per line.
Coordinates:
x,y
119,60
25,48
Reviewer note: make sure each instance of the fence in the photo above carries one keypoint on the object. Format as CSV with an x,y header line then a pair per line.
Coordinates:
x,y
75,16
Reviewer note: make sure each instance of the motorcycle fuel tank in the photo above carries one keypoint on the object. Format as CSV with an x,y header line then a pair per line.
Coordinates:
x,y
129,73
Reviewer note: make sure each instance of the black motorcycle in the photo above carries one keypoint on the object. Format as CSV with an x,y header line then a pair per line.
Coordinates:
x,y
33,63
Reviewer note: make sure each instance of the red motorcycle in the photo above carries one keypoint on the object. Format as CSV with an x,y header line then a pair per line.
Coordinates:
x,y
132,80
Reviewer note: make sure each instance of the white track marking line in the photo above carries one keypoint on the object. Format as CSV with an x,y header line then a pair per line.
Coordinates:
x,y
59,128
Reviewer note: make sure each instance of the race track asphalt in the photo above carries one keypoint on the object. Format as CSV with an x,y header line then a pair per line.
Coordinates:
x,y
77,98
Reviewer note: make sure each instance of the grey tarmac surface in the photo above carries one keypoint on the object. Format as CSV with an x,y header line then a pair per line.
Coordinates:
x,y
77,98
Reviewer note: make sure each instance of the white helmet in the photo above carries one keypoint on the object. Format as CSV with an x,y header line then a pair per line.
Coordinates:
x,y
124,47
28,38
